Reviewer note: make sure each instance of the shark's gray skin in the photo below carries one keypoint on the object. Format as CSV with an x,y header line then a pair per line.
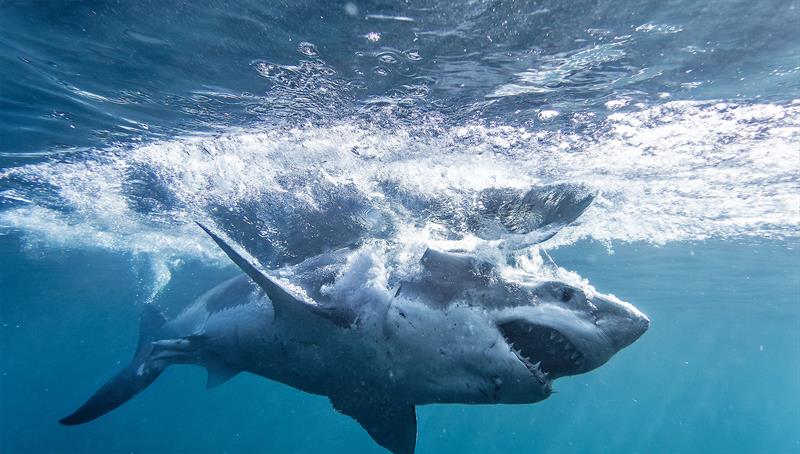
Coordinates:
x,y
457,331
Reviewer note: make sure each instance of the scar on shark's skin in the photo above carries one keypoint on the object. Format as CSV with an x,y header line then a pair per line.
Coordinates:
x,y
377,361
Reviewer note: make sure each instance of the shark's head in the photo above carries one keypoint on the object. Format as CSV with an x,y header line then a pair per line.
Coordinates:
x,y
552,328
565,330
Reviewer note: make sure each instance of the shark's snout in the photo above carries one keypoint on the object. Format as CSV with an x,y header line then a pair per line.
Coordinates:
x,y
621,322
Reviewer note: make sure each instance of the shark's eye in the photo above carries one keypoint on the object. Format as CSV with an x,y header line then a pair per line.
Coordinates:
x,y
566,294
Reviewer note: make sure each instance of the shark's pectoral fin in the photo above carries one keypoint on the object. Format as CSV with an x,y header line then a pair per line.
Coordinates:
x,y
219,374
391,425
284,298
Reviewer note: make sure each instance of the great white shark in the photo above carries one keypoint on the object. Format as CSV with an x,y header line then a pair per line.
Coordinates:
x,y
457,330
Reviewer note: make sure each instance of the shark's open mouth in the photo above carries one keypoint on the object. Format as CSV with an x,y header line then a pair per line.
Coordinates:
x,y
543,350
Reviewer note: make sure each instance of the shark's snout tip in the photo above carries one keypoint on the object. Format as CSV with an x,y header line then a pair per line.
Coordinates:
x,y
640,326
644,325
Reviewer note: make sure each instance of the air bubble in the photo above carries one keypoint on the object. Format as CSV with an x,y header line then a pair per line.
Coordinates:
x,y
387,58
351,9
307,49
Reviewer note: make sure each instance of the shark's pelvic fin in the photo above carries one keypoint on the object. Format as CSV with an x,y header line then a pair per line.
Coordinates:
x,y
129,381
391,425
283,298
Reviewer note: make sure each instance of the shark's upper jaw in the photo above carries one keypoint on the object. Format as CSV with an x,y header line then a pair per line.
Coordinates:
x,y
544,351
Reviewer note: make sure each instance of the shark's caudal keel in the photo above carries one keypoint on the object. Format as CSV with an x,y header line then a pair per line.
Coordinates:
x,y
457,331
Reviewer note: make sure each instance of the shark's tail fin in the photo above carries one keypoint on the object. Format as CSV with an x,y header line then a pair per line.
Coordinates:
x,y
129,381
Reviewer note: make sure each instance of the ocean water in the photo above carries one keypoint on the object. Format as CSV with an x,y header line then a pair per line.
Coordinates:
x,y
297,126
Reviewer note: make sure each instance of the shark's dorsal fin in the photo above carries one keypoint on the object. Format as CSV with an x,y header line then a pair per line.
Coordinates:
x,y
391,425
445,275
453,267
219,374
284,298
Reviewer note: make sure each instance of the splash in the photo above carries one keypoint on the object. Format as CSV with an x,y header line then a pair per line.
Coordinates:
x,y
673,172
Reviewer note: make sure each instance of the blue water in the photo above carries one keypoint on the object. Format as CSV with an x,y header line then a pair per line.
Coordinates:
x,y
120,123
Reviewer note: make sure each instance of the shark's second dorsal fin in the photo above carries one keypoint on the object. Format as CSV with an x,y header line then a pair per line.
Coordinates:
x,y
284,298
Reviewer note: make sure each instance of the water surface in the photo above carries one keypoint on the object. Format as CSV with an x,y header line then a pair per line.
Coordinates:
x,y
120,124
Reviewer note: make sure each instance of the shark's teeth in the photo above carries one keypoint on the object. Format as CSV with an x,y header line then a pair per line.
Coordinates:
x,y
557,352
536,368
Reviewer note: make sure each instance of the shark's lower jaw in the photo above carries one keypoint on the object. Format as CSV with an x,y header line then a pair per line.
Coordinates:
x,y
546,352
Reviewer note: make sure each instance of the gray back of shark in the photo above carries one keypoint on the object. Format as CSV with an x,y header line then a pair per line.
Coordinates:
x,y
455,332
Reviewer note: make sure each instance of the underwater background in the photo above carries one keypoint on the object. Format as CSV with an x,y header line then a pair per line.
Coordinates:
x,y
122,122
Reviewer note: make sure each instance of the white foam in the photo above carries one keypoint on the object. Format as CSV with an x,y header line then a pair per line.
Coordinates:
x,y
363,279
679,171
